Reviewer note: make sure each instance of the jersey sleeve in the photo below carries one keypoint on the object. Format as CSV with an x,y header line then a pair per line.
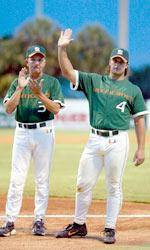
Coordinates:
x,y
11,90
83,82
139,106
57,95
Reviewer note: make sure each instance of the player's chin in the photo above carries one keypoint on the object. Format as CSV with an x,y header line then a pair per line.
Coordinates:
x,y
37,70
117,72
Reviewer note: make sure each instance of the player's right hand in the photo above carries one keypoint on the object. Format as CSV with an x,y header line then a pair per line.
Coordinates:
x,y
138,157
23,80
65,38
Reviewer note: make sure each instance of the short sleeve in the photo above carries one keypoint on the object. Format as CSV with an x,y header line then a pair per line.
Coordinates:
x,y
139,106
85,83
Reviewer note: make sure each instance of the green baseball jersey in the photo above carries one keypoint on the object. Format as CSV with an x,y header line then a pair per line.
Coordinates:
x,y
30,108
111,102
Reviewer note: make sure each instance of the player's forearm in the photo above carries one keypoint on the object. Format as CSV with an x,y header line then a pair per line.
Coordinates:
x,y
50,105
13,102
65,64
140,132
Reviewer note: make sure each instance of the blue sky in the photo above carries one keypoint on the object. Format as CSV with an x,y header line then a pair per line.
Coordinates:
x,y
76,14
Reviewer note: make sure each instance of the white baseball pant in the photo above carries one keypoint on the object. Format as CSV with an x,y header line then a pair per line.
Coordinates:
x,y
37,144
110,152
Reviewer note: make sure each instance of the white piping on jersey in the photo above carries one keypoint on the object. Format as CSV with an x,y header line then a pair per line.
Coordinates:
x,y
61,103
77,81
5,100
141,113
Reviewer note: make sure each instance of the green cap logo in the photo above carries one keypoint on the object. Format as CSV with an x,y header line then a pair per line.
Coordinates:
x,y
122,53
36,49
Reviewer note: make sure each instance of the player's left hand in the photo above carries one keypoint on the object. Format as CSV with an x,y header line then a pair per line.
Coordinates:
x,y
138,157
35,87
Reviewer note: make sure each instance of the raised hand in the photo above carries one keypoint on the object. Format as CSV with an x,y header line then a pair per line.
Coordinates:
x,y
65,38
23,80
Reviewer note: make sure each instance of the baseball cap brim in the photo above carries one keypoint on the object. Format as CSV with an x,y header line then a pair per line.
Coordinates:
x,y
120,57
36,52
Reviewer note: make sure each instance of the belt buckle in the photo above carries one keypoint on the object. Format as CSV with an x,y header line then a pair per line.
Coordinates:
x,y
99,133
32,126
43,124
115,132
105,133
29,126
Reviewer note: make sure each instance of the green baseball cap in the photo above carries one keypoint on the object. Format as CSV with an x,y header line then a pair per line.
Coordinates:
x,y
35,49
122,53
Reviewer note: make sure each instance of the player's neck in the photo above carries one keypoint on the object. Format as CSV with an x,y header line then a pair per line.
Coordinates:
x,y
116,77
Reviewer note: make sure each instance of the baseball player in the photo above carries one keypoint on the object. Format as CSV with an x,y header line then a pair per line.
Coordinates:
x,y
112,101
36,97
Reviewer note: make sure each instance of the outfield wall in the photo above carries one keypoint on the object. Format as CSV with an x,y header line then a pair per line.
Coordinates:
x,y
74,116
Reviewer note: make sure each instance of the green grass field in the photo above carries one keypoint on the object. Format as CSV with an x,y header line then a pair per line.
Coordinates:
x,y
136,180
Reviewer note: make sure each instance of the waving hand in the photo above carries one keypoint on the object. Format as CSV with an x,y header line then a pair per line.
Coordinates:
x,y
65,38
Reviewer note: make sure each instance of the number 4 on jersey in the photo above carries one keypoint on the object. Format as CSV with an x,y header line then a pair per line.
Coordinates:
x,y
121,106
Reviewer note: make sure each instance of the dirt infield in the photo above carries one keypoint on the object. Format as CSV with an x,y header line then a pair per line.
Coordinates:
x,y
132,233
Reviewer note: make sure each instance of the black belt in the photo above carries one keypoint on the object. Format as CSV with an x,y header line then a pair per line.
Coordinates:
x,y
105,133
32,126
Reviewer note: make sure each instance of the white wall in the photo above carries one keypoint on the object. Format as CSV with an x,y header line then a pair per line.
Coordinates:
x,y
75,116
